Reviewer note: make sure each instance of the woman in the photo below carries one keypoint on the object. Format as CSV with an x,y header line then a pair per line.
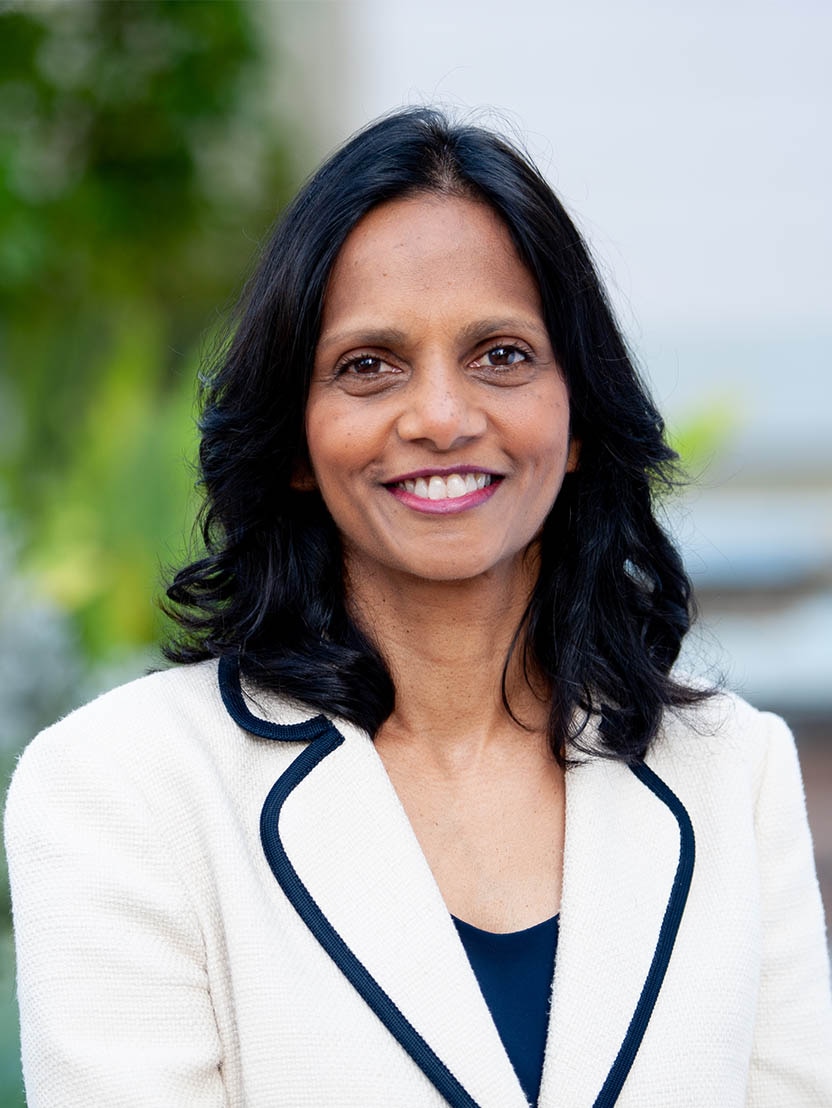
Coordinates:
x,y
428,750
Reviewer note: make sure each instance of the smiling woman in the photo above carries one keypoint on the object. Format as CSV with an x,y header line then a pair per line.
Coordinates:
x,y
462,412
424,815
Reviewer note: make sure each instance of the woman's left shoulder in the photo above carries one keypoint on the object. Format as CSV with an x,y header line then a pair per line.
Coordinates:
x,y
722,735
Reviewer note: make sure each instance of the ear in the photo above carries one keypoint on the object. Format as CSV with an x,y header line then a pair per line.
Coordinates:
x,y
574,455
302,479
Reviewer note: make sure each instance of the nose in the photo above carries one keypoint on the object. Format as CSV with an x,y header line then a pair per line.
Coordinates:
x,y
441,409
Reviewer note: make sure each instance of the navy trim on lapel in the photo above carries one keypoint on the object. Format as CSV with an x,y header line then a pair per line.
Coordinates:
x,y
231,692
667,937
366,985
323,739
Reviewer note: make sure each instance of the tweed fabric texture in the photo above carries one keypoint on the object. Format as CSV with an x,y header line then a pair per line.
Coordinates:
x,y
161,964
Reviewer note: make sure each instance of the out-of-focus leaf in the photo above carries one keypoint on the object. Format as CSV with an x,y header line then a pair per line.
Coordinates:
x,y
139,154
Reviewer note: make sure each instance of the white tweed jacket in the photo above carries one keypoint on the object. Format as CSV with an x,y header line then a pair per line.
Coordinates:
x,y
220,902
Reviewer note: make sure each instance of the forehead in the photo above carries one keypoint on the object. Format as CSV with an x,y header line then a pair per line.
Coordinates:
x,y
431,250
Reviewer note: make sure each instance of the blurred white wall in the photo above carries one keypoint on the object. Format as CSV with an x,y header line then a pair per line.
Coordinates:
x,y
691,143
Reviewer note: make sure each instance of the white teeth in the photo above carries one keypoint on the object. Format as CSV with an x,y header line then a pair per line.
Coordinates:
x,y
446,488
437,489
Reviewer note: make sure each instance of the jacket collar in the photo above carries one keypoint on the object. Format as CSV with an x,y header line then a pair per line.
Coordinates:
x,y
628,864
339,843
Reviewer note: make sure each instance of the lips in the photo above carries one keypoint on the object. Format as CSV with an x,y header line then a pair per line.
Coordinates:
x,y
450,486
448,493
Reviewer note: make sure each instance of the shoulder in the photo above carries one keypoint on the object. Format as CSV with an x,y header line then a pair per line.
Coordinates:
x,y
166,738
724,733
164,706
733,766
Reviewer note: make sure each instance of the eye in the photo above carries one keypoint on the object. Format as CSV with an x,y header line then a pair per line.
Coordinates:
x,y
365,365
507,361
504,355
364,374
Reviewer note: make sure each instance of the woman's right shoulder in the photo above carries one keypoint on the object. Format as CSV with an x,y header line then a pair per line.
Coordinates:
x,y
137,731
134,713
167,737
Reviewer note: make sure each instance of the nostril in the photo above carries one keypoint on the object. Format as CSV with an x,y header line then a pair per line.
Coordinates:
x,y
444,420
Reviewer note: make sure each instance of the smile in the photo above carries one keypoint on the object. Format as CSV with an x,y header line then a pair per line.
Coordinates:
x,y
445,493
451,487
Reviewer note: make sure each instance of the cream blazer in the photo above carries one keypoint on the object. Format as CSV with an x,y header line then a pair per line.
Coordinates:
x,y
219,902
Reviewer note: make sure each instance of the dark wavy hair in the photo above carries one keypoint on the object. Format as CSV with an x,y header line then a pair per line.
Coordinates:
x,y
612,602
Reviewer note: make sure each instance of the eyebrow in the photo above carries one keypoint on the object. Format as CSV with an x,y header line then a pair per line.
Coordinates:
x,y
359,336
497,325
388,337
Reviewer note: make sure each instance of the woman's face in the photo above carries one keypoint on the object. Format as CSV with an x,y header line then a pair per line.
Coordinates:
x,y
437,419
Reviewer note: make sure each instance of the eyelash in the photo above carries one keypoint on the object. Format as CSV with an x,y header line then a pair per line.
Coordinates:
x,y
352,363
508,347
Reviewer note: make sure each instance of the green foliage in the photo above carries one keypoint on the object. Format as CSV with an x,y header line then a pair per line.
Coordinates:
x,y
139,161
118,512
704,432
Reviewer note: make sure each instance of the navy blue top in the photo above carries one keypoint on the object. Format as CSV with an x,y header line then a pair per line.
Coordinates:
x,y
514,972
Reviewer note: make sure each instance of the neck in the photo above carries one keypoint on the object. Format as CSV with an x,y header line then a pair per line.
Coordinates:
x,y
446,643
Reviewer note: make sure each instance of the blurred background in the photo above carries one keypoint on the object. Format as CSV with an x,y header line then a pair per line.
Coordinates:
x,y
145,148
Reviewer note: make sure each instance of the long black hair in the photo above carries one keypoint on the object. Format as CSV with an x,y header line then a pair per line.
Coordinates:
x,y
612,602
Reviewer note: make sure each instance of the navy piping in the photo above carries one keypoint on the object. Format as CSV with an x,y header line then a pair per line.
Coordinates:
x,y
324,739
306,907
664,947
231,692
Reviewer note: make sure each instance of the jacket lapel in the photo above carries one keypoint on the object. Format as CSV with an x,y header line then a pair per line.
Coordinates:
x,y
340,845
627,868
343,850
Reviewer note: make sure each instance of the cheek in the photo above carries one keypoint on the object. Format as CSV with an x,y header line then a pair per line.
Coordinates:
x,y
326,440
345,438
338,453
544,431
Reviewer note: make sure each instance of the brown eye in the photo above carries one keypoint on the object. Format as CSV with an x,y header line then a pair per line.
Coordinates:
x,y
505,355
363,366
366,374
